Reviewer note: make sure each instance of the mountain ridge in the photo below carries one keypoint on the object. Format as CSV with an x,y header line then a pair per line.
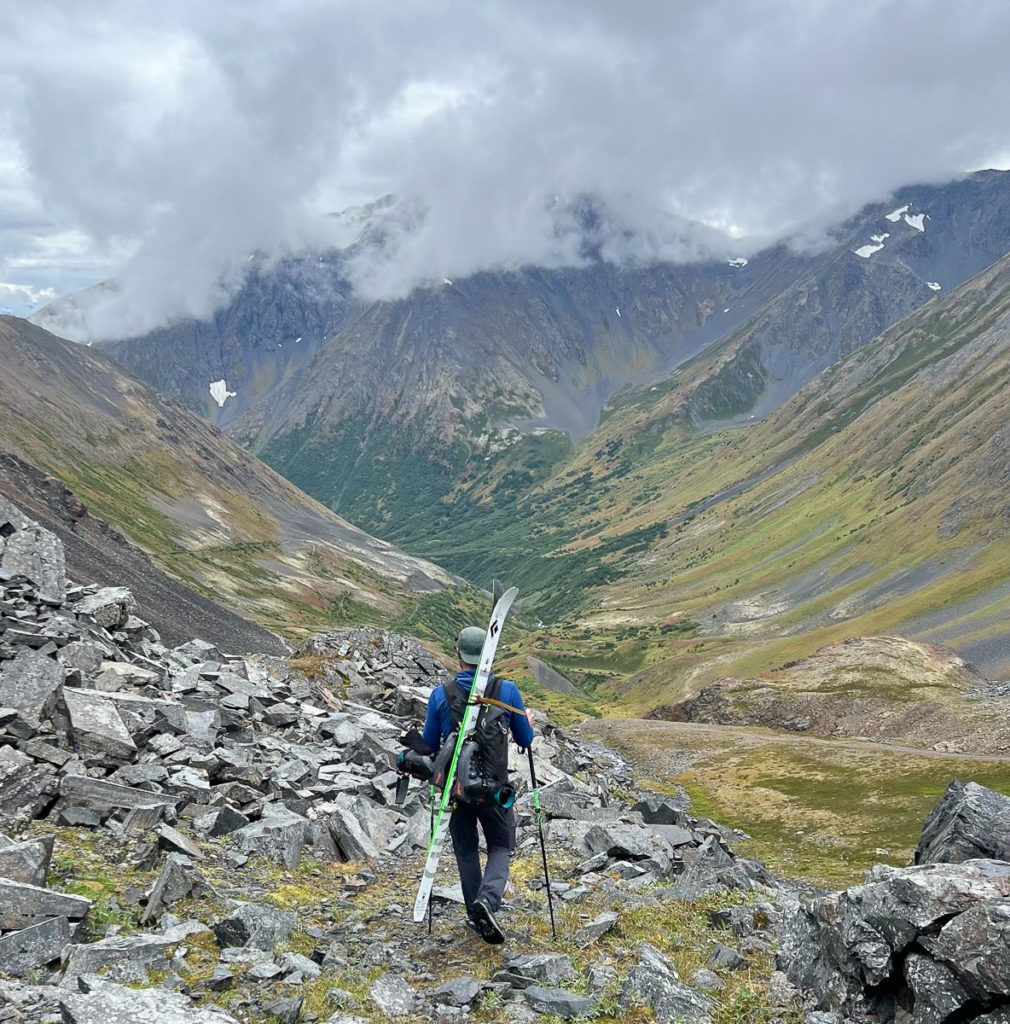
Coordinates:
x,y
209,513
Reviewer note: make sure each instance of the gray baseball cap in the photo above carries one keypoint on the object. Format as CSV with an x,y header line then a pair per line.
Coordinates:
x,y
470,643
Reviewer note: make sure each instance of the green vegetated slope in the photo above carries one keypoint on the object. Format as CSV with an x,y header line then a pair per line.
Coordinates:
x,y
814,808
208,513
661,557
871,502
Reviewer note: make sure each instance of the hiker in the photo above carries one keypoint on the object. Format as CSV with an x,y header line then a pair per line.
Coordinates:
x,y
491,802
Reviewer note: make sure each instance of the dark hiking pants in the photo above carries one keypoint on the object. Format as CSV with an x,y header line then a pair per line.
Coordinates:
x,y
499,827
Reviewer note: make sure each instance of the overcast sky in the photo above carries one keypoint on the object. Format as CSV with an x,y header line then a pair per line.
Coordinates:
x,y
165,142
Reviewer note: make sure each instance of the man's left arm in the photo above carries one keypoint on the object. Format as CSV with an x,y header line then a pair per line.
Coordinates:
x,y
522,724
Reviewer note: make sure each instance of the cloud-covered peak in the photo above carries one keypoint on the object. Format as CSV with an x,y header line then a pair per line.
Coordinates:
x,y
178,139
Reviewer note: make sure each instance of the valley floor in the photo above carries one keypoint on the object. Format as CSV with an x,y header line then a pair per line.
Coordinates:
x,y
820,809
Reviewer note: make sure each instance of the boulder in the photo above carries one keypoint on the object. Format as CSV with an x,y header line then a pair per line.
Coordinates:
x,y
392,996
124,958
24,905
654,983
351,839
26,788
97,727
29,683
969,822
904,933
177,880
110,607
102,795
458,992
597,927
27,549
27,862
280,835
256,925
550,968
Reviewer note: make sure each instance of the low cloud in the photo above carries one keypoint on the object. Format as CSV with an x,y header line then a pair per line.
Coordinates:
x,y
174,141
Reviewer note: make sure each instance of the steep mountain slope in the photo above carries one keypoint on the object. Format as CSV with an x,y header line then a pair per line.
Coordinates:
x,y
100,554
403,415
206,511
872,502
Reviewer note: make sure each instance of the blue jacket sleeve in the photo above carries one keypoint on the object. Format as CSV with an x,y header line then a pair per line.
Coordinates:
x,y
522,731
432,733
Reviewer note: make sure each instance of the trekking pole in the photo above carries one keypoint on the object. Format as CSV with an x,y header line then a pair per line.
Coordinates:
x,y
540,827
431,831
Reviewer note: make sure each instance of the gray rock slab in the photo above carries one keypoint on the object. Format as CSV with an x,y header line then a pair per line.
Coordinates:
x,y
663,810
557,1001
351,839
977,946
599,926
26,787
173,839
120,958
550,968
23,951
177,880
725,958
105,1002
96,726
457,992
27,861
29,683
80,790
23,905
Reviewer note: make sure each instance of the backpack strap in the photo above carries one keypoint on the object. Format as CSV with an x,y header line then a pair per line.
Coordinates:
x,y
499,704
456,700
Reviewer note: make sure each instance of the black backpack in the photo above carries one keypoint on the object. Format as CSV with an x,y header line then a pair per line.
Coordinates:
x,y
482,770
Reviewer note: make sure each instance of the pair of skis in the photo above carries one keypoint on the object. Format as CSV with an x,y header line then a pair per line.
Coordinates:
x,y
502,601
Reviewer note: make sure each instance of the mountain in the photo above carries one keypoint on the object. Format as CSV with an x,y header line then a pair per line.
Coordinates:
x,y
207,512
401,414
100,554
871,502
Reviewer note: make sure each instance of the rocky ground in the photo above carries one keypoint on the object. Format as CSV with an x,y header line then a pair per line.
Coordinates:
x,y
195,837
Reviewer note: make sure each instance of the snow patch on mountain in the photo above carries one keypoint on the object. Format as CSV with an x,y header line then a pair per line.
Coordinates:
x,y
895,215
738,262
934,285
866,251
880,238
917,221
220,393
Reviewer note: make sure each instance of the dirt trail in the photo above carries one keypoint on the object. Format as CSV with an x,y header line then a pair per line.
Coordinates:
x,y
754,736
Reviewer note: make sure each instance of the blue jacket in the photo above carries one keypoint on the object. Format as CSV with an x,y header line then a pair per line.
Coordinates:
x,y
438,723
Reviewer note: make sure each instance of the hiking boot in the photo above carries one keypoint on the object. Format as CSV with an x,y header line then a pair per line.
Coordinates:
x,y
488,927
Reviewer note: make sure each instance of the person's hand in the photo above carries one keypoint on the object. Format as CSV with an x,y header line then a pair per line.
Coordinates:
x,y
531,718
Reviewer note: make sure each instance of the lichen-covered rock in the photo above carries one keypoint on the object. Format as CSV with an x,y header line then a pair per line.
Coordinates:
x,y
256,925
104,1002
